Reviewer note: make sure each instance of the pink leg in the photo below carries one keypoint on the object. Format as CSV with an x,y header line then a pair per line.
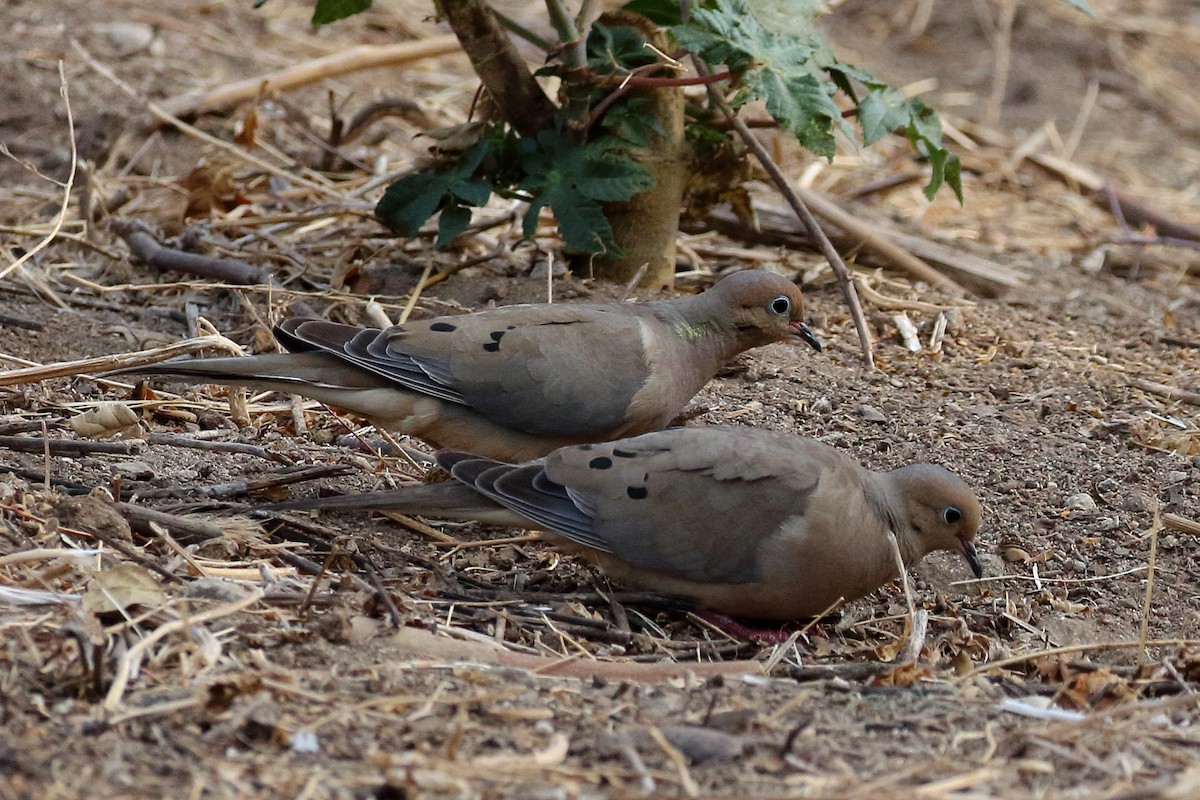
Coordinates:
x,y
746,633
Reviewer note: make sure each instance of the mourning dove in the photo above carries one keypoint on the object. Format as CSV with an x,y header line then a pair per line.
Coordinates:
x,y
746,522
517,382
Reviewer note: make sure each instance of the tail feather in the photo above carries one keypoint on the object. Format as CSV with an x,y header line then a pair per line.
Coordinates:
x,y
288,372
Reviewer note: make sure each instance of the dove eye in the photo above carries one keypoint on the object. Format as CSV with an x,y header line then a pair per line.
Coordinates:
x,y
951,515
781,305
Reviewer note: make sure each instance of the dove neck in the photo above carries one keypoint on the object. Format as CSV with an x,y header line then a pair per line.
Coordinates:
x,y
888,494
704,324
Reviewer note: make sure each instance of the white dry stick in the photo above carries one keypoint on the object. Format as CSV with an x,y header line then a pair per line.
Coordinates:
x,y
376,315
62,369
939,331
133,655
67,187
416,294
918,620
908,331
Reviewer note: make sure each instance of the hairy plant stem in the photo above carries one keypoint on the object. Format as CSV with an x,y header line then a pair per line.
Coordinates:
x,y
840,270
518,98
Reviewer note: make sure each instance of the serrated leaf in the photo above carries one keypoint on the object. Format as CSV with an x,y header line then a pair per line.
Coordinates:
x,y
801,106
614,177
881,112
581,221
414,198
411,200
632,121
570,178
617,48
332,10
776,62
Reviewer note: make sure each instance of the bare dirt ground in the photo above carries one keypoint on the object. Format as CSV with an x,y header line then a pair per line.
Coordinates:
x,y
243,674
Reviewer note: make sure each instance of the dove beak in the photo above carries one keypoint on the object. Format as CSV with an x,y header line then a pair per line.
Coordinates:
x,y
806,333
972,556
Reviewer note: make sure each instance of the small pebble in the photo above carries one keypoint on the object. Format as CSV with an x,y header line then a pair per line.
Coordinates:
x,y
1081,502
134,470
1175,476
872,414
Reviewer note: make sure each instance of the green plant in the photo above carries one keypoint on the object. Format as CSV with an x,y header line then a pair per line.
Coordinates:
x,y
589,151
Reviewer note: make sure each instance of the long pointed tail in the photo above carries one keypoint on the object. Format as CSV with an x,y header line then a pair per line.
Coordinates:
x,y
281,371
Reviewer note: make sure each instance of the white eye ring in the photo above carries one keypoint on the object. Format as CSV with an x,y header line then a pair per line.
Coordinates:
x,y
781,305
951,515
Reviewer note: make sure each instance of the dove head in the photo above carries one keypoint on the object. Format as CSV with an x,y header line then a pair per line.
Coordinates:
x,y
943,513
766,307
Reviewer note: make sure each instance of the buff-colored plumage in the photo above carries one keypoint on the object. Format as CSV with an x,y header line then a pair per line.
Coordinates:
x,y
516,382
746,522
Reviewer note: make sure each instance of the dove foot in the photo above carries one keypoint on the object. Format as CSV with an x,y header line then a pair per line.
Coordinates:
x,y
771,633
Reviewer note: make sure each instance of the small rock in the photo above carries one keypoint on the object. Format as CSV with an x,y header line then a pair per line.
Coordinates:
x,y
134,470
1076,565
1175,476
1108,524
216,590
126,38
872,414
1081,502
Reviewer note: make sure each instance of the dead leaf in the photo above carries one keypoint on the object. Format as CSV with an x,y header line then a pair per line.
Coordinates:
x,y
106,419
120,587
1016,555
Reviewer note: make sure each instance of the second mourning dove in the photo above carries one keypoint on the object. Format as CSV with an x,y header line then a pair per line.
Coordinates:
x,y
746,522
519,381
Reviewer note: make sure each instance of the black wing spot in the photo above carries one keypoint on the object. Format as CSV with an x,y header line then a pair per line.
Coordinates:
x,y
587,446
492,347
623,453
497,334
443,327
600,462
637,492
512,327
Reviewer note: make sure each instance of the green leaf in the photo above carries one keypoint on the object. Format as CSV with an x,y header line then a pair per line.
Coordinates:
x,y
924,133
581,221
613,49
414,198
660,12
453,221
573,179
411,200
881,112
801,106
778,54
332,10
632,121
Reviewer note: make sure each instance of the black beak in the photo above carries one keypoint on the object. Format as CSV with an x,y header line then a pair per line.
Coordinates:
x,y
972,557
805,333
